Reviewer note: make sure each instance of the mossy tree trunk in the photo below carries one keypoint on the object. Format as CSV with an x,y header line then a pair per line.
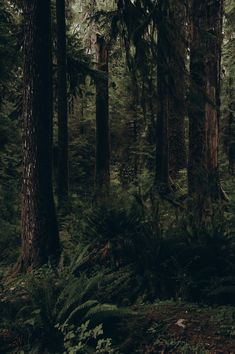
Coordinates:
x,y
40,239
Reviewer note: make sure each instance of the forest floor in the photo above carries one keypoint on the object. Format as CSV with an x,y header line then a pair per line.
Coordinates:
x,y
167,327
178,328
162,327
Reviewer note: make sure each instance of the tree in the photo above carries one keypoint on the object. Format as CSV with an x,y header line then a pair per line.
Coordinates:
x,y
229,84
177,70
62,173
102,170
40,239
204,111
163,77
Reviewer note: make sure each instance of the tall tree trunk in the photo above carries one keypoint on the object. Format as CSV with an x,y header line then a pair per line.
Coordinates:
x,y
102,171
203,172
177,107
230,134
40,239
162,146
62,174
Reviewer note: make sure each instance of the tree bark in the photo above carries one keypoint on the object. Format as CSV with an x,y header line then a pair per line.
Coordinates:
x,y
62,171
40,239
162,144
177,106
204,112
102,170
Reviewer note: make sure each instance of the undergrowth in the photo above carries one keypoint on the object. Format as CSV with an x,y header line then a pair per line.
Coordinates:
x,y
114,257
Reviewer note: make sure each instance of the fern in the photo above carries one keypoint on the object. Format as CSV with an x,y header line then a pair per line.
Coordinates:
x,y
103,313
80,259
75,292
77,315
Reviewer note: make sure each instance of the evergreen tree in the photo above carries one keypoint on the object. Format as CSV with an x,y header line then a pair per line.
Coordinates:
x,y
228,86
40,239
102,170
163,87
204,112
177,102
62,170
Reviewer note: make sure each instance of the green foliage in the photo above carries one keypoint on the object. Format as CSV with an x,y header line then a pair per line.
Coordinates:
x,y
78,63
178,346
76,339
132,258
10,159
8,47
47,309
82,145
9,185
135,247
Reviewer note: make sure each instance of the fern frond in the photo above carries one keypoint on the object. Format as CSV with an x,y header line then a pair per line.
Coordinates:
x,y
77,315
103,313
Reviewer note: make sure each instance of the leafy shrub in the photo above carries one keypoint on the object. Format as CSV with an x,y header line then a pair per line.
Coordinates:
x,y
78,340
137,258
44,304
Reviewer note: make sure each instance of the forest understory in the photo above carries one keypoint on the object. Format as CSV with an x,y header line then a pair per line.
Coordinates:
x,y
117,175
